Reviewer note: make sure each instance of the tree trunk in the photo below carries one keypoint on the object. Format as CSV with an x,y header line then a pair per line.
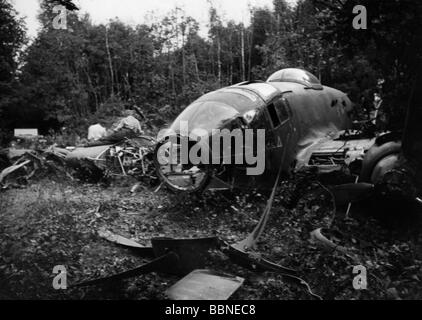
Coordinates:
x,y
250,52
219,59
110,64
183,58
242,46
86,70
195,61
171,71
211,58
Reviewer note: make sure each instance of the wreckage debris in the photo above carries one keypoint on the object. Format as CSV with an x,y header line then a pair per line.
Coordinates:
x,y
321,237
162,264
132,157
205,285
127,243
172,256
189,257
29,165
322,240
12,169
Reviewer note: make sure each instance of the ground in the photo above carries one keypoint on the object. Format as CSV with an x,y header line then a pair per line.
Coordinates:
x,y
56,222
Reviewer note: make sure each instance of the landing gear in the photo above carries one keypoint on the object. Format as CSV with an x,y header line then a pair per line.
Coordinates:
x,y
178,176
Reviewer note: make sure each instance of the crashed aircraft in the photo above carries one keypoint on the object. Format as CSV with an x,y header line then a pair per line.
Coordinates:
x,y
304,125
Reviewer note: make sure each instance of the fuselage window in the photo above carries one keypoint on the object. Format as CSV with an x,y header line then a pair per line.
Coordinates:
x,y
282,110
273,115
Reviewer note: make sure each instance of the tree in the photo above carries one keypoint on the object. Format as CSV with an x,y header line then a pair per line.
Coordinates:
x,y
391,44
12,37
215,32
69,76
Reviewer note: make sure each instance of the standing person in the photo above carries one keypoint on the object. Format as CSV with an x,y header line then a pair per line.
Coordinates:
x,y
128,124
126,127
377,105
96,132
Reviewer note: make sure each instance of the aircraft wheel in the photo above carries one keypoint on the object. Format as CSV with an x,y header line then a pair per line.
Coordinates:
x,y
179,177
378,160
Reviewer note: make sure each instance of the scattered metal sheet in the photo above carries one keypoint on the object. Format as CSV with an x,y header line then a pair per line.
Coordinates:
x,y
135,187
87,153
173,256
160,264
253,237
12,169
240,253
188,255
254,262
192,253
205,285
16,153
118,239
318,237
351,192
258,264
122,241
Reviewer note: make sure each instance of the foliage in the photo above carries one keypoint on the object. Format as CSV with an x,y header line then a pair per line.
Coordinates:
x,y
70,77
12,37
391,45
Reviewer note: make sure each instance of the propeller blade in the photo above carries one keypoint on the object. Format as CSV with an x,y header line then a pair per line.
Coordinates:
x,y
351,192
161,264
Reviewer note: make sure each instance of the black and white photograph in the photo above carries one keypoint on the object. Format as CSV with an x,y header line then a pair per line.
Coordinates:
x,y
224,151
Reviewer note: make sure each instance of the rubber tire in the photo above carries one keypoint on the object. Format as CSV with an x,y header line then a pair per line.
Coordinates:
x,y
374,155
200,188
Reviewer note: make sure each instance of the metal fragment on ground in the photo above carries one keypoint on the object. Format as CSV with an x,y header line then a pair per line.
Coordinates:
x,y
160,264
12,169
205,285
118,239
192,253
351,192
318,237
128,243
